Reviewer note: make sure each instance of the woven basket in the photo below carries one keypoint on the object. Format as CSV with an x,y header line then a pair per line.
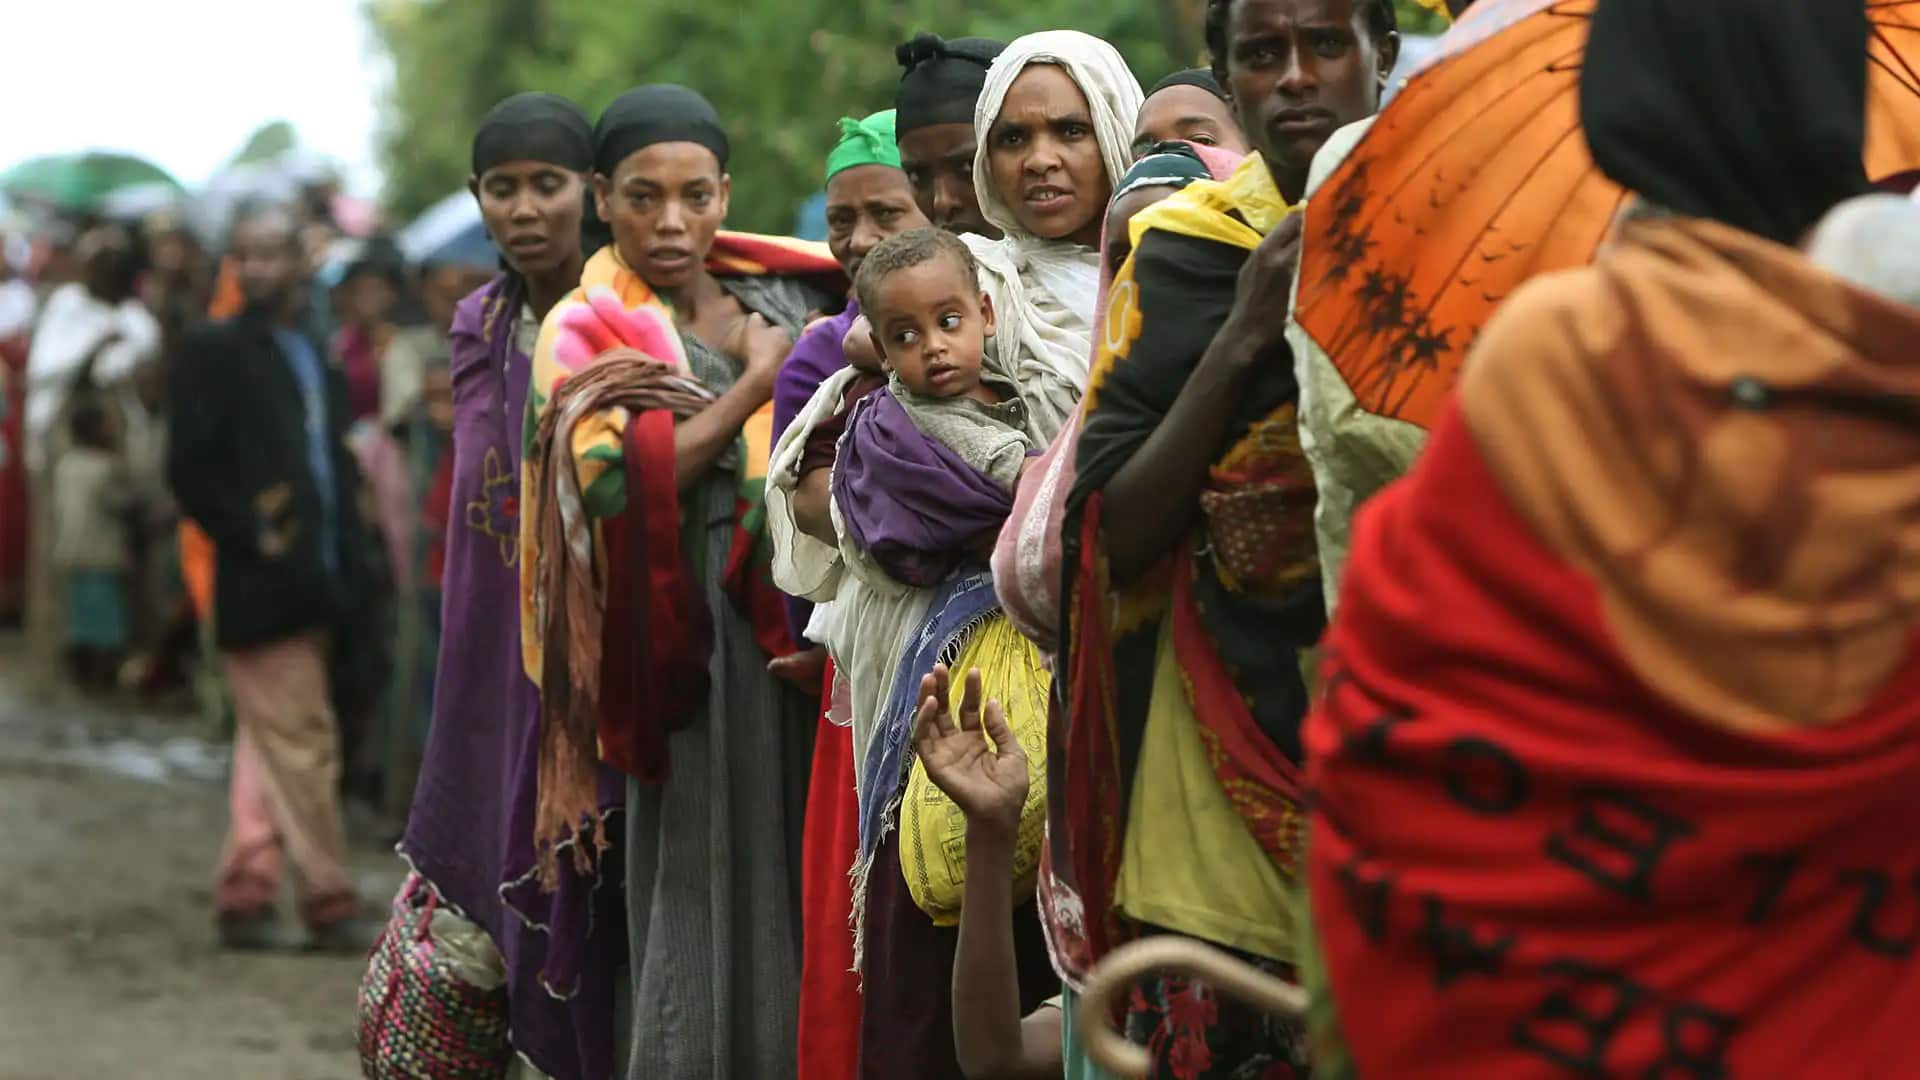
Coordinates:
x,y
418,1019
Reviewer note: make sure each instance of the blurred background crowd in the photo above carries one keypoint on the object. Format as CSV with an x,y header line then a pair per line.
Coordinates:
x,y
107,258
109,261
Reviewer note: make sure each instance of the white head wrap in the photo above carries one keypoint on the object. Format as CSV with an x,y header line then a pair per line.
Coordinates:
x,y
1044,291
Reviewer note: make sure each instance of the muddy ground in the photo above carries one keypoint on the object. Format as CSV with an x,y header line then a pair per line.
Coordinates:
x,y
111,817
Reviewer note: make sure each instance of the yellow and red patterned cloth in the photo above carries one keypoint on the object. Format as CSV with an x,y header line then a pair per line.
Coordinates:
x,y
1616,767
1185,690
603,577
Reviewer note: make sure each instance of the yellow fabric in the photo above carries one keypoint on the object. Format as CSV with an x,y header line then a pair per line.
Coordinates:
x,y
933,831
757,437
1208,208
1188,862
597,453
1240,210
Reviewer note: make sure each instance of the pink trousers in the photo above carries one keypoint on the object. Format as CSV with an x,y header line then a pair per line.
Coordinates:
x,y
285,797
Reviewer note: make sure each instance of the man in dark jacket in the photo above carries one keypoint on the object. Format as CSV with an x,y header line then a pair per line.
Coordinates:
x,y
259,462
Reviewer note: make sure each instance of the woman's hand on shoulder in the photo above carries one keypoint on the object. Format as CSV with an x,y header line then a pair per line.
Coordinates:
x,y
760,346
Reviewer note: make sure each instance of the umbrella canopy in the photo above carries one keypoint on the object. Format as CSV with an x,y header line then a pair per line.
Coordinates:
x,y
136,202
1415,51
449,233
1476,178
82,181
214,207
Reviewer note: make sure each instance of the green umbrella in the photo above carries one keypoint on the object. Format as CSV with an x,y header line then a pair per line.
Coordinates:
x,y
80,181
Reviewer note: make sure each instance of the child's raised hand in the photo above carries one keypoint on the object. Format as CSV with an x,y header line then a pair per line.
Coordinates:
x,y
987,786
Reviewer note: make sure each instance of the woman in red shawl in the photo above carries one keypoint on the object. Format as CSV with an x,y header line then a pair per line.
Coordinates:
x,y
1616,767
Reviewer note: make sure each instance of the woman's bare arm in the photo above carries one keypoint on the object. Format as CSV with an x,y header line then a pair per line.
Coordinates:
x,y
1155,497
812,505
699,440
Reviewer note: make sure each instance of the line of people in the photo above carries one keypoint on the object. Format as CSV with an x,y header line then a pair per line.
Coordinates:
x,y
846,648
96,559
649,788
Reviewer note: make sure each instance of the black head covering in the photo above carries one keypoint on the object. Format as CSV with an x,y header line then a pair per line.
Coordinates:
x,y
942,80
1749,113
379,257
1199,77
534,127
647,115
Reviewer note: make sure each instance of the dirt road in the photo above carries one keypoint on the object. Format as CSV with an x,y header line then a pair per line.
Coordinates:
x,y
110,822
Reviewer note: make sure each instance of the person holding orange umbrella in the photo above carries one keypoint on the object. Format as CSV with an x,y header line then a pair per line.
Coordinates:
x,y
1475,179
1616,759
1192,582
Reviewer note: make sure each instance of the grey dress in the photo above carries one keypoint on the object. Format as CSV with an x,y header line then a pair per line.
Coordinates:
x,y
713,855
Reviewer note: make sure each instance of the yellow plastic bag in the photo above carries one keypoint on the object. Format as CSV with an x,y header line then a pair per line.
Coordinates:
x,y
933,831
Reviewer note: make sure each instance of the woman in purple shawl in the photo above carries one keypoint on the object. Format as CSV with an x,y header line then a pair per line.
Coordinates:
x,y
470,835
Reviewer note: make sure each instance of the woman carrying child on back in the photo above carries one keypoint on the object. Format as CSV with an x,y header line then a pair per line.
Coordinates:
x,y
921,483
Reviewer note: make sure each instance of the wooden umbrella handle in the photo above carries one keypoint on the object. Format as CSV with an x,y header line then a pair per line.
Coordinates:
x,y
1132,962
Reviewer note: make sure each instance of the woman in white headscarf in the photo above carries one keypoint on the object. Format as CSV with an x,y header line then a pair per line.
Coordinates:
x,y
1054,127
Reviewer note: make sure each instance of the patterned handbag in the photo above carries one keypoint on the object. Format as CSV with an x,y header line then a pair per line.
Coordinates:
x,y
421,1016
1258,508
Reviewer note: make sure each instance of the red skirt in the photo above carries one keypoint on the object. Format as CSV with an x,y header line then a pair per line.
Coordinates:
x,y
829,990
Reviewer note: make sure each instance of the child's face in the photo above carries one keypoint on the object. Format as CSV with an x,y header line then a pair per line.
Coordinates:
x,y
365,299
931,327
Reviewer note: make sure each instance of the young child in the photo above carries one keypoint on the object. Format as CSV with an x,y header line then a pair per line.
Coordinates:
x,y
925,475
92,496
930,322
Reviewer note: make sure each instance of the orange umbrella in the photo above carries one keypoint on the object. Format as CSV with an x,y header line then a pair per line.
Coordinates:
x,y
1476,177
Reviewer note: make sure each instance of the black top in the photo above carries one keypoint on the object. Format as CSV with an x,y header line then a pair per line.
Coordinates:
x,y
238,464
1752,114
534,127
646,115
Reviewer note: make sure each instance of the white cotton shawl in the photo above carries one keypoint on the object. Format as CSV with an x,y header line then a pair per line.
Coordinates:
x,y
1044,291
864,618
803,566
72,326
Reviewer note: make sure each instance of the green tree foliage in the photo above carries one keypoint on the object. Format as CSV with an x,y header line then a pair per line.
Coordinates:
x,y
1415,19
781,76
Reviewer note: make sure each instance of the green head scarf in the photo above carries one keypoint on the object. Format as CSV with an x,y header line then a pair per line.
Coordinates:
x,y
864,142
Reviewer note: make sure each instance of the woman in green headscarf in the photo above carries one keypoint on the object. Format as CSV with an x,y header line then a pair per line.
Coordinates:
x,y
868,200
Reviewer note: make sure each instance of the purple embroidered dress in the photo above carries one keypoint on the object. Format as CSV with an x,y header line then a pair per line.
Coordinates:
x,y
815,356
471,829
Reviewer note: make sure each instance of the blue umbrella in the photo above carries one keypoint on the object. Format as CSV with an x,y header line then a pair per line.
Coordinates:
x,y
810,221
449,233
